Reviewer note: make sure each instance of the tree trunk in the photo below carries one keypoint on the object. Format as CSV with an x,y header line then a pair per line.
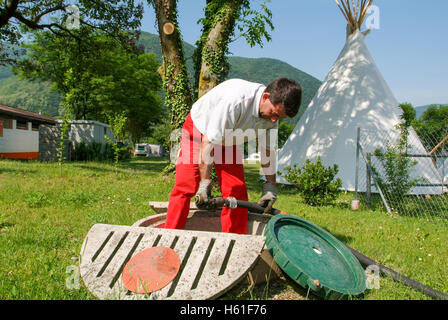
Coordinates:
x,y
8,12
173,71
214,64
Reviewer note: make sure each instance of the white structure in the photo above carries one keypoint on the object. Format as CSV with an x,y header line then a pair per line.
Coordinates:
x,y
155,150
354,94
88,131
442,168
141,149
19,133
148,150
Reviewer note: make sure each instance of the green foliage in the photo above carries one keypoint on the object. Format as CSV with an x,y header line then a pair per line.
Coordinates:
x,y
409,113
65,127
177,93
36,199
97,151
396,179
161,134
117,123
432,126
38,96
225,17
97,77
314,182
252,24
17,18
284,131
86,152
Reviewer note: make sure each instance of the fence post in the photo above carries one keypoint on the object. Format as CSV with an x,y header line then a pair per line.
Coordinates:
x,y
368,177
357,162
443,168
374,179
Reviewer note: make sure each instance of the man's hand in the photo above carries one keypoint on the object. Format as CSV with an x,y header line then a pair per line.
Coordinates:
x,y
268,197
203,195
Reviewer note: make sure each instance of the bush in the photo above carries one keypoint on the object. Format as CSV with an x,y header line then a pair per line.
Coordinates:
x,y
97,151
315,183
87,152
161,135
124,153
397,166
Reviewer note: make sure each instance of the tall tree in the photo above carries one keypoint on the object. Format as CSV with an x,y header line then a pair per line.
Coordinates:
x,y
174,75
97,78
222,18
218,29
17,17
409,113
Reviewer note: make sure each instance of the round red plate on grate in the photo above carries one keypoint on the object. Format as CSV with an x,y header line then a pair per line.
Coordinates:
x,y
151,270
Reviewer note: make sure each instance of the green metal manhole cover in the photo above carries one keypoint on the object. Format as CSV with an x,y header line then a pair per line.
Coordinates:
x,y
314,258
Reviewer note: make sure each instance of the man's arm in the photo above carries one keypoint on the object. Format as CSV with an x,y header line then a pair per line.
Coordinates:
x,y
269,195
206,158
268,164
203,194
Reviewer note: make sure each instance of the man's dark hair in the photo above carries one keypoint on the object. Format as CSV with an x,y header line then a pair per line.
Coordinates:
x,y
287,92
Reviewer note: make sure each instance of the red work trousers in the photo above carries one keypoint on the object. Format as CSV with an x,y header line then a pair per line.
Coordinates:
x,y
229,170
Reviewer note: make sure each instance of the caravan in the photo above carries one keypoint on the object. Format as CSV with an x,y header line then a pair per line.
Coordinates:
x,y
141,149
147,149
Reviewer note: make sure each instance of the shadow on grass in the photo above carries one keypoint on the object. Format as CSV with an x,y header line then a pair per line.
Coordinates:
x,y
146,163
94,166
341,237
5,224
151,164
252,177
16,171
429,207
254,181
341,205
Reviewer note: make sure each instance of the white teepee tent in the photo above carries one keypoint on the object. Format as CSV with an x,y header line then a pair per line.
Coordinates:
x,y
442,163
354,94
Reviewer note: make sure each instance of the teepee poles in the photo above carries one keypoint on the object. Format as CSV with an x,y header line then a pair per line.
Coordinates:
x,y
355,14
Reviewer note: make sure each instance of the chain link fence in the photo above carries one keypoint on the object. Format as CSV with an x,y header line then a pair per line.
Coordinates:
x,y
404,172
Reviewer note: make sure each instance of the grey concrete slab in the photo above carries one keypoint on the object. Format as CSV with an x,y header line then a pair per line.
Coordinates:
x,y
266,269
211,263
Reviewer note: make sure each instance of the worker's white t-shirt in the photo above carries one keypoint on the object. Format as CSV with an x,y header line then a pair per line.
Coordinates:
x,y
231,107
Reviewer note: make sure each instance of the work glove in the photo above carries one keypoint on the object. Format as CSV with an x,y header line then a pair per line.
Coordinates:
x,y
203,196
268,197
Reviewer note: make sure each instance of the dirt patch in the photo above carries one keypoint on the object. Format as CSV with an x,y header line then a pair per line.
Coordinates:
x,y
279,289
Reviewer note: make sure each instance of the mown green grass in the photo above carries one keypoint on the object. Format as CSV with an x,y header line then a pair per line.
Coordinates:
x,y
414,247
44,218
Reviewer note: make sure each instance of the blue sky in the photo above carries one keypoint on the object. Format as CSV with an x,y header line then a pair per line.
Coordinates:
x,y
410,47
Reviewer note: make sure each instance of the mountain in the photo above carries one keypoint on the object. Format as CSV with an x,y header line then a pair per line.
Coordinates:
x,y
265,70
37,96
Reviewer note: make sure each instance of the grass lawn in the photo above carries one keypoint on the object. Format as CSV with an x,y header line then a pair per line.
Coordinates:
x,y
44,218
